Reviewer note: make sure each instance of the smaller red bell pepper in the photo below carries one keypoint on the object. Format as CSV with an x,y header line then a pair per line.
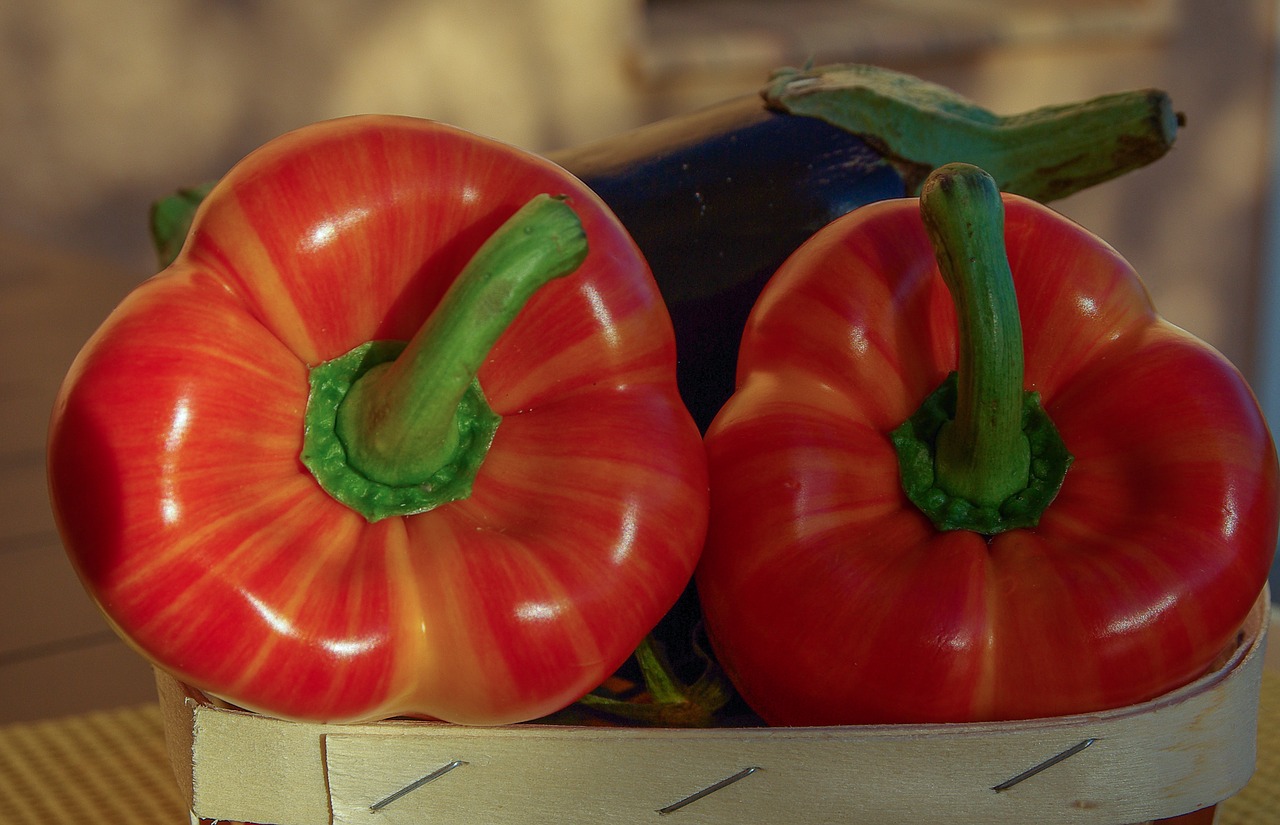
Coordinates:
x,y
367,448
1080,518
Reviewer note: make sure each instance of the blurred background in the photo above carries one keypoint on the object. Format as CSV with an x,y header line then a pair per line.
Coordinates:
x,y
106,105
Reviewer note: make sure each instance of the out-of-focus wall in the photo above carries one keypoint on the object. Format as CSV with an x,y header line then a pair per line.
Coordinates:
x,y
105,104
1191,223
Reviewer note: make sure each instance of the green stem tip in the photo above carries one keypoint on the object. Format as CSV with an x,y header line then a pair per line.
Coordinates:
x,y
981,454
396,428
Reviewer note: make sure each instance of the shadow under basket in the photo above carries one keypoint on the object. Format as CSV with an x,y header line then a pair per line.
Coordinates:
x,y
1178,753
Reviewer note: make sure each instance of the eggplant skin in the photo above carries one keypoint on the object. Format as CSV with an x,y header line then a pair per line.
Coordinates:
x,y
717,200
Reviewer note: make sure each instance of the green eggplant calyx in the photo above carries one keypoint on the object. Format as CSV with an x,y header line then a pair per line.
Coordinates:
x,y
396,428
981,453
1043,154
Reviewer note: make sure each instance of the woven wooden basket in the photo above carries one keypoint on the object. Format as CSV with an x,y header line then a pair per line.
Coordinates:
x,y
1178,753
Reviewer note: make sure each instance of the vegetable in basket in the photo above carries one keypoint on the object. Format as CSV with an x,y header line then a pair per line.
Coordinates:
x,y
969,474
367,448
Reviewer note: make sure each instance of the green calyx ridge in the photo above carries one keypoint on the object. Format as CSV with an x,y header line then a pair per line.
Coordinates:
x,y
1044,154
397,428
325,454
981,453
915,442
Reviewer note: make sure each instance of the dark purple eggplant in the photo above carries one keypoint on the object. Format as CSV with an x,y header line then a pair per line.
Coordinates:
x,y
716,201
719,198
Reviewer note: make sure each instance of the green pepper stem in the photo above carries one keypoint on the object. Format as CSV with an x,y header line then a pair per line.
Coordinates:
x,y
982,454
398,422
1043,154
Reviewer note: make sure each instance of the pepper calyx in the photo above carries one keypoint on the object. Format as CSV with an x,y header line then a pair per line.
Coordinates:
x,y
325,455
915,441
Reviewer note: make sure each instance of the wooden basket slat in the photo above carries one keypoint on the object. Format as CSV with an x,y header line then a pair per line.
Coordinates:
x,y
1188,749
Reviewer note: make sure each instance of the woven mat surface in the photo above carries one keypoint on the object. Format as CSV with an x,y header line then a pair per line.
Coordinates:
x,y
112,767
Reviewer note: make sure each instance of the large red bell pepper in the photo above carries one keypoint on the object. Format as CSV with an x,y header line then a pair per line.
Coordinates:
x,y
831,597
272,510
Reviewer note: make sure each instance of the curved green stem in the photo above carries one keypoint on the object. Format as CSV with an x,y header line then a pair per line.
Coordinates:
x,y
395,429
981,454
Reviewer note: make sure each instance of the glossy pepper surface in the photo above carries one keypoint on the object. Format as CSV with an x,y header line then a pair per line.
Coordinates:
x,y
184,437
831,597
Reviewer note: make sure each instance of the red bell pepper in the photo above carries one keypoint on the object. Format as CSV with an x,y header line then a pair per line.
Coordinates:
x,y
311,525
1100,558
